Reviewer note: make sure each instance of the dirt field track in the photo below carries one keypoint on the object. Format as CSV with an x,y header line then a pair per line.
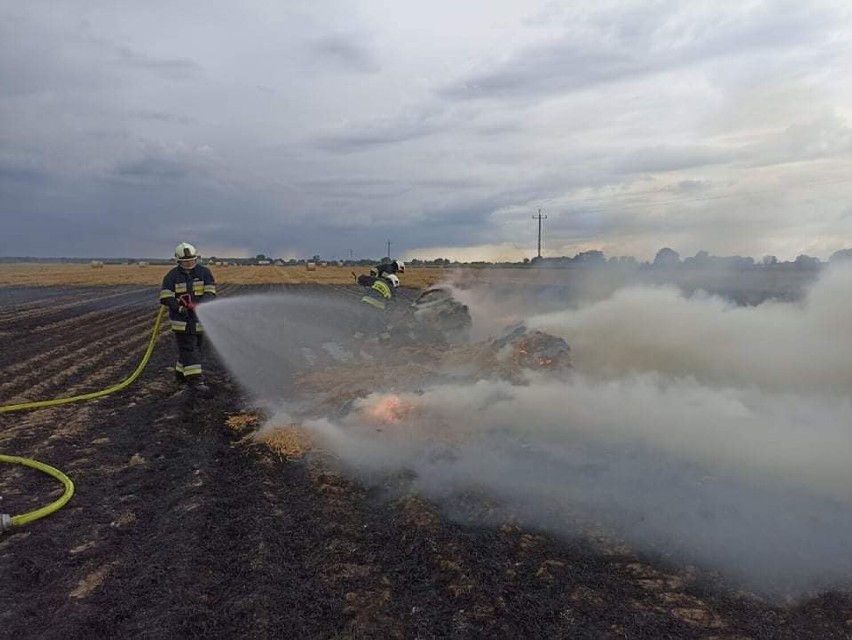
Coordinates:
x,y
183,527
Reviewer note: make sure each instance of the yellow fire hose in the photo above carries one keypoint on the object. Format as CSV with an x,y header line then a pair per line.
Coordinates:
x,y
7,521
96,394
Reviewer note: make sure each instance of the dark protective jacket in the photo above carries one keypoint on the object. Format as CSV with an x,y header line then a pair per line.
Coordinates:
x,y
199,284
379,292
383,268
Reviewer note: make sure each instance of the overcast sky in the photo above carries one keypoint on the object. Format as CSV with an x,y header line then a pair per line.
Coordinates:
x,y
292,128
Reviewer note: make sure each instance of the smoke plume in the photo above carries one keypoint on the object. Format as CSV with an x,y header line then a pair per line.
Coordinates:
x,y
691,427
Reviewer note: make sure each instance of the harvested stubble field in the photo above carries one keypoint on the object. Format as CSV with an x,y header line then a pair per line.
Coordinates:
x,y
85,275
182,526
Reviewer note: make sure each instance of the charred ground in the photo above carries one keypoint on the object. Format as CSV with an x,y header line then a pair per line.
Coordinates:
x,y
182,527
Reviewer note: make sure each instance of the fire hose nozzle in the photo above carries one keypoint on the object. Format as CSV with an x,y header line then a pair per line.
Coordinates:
x,y
5,522
186,301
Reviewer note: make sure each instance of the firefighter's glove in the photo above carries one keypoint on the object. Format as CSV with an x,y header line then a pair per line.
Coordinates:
x,y
185,302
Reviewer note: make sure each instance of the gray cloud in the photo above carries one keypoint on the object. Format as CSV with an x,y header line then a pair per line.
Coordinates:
x,y
670,158
37,56
162,116
153,169
347,52
551,69
348,186
690,186
31,59
21,172
171,68
604,46
383,131
306,131
367,188
825,136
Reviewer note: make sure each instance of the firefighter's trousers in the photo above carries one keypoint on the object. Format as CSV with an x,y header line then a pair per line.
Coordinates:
x,y
189,354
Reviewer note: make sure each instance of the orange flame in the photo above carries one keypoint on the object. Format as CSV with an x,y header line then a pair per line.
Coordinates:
x,y
390,409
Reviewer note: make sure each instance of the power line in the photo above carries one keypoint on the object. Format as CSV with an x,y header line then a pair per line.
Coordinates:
x,y
539,217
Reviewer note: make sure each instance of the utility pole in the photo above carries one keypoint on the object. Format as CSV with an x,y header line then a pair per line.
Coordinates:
x,y
389,246
539,217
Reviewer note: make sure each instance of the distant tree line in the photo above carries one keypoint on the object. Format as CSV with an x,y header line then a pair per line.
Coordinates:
x,y
318,259
665,258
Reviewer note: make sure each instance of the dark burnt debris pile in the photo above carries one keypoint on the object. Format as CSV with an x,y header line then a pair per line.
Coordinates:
x,y
182,527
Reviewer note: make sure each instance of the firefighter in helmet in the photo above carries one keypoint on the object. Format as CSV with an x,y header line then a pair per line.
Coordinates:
x,y
387,267
184,287
376,303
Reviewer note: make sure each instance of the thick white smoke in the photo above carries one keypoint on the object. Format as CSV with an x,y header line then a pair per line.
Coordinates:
x,y
803,347
695,428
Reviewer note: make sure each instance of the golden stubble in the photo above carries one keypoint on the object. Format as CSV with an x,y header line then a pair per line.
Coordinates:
x,y
84,275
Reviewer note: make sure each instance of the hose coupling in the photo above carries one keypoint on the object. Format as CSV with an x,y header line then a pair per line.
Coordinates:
x,y
5,522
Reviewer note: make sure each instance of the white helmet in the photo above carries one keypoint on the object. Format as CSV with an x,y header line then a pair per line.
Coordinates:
x,y
400,266
394,281
185,254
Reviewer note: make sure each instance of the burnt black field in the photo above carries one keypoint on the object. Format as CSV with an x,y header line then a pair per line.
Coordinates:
x,y
181,527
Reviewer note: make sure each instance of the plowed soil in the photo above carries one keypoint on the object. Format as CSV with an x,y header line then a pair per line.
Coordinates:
x,y
183,527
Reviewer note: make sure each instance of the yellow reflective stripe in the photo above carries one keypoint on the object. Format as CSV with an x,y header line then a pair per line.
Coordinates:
x,y
382,288
198,287
180,287
179,367
165,293
181,326
192,370
378,304
210,288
